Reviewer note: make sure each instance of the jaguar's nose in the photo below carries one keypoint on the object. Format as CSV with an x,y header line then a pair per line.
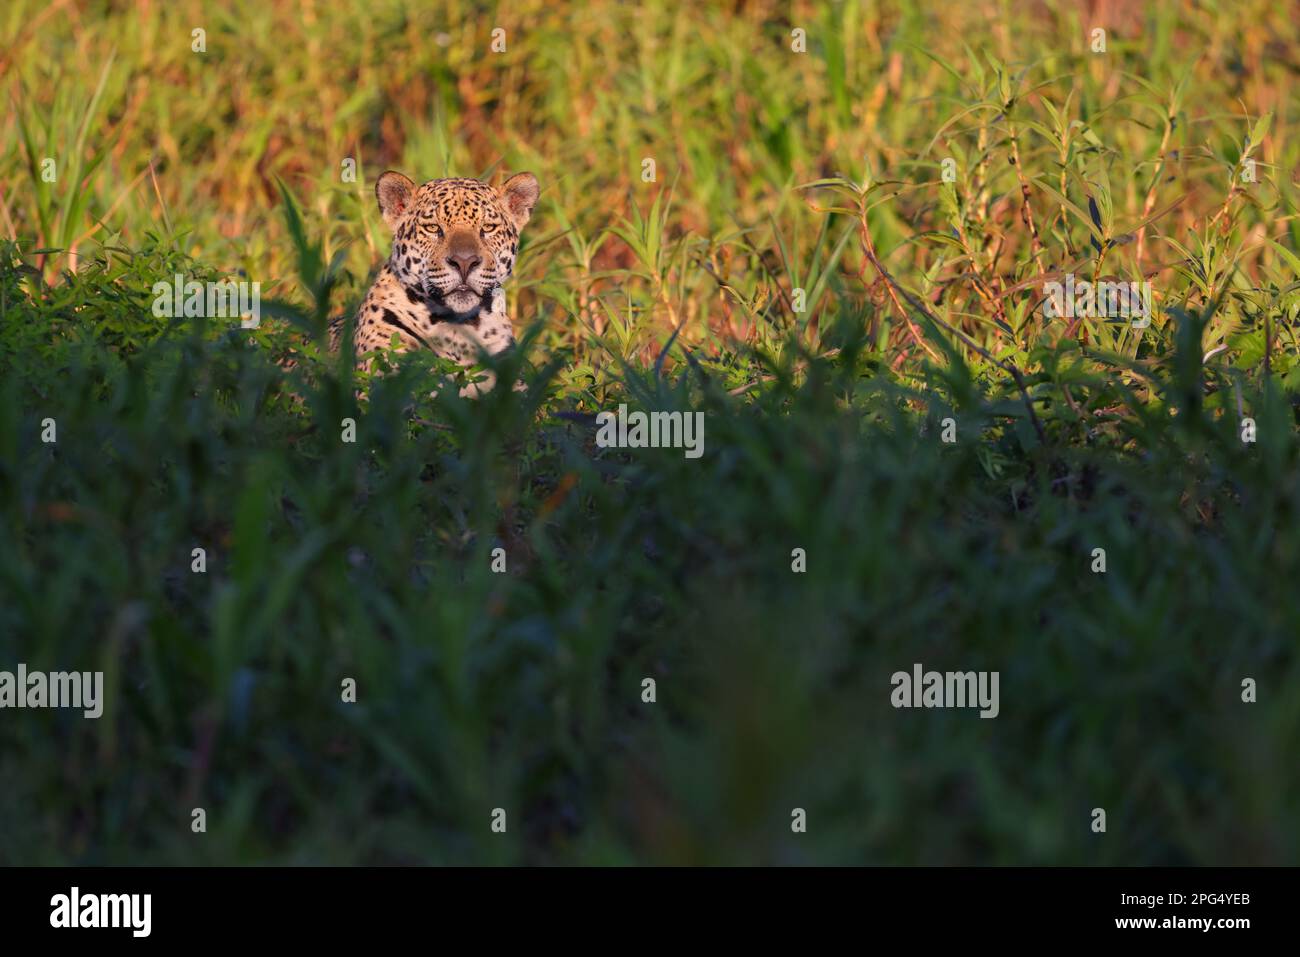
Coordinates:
x,y
463,263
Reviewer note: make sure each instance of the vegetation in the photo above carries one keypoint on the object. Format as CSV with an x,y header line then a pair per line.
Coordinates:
x,y
803,268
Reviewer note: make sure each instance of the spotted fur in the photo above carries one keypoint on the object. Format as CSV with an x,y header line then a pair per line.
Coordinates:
x,y
454,243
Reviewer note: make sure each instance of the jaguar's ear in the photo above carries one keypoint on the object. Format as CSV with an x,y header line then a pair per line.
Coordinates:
x,y
520,194
395,193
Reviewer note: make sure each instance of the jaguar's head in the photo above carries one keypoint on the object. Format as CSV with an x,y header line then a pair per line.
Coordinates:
x,y
455,240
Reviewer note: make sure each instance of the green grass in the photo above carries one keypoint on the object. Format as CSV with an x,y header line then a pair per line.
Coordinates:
x,y
775,172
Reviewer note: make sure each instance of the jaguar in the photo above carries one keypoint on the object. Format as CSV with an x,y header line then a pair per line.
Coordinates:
x,y
455,242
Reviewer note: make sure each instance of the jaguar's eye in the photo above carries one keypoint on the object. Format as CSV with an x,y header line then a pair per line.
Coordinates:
x,y
437,232
488,229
